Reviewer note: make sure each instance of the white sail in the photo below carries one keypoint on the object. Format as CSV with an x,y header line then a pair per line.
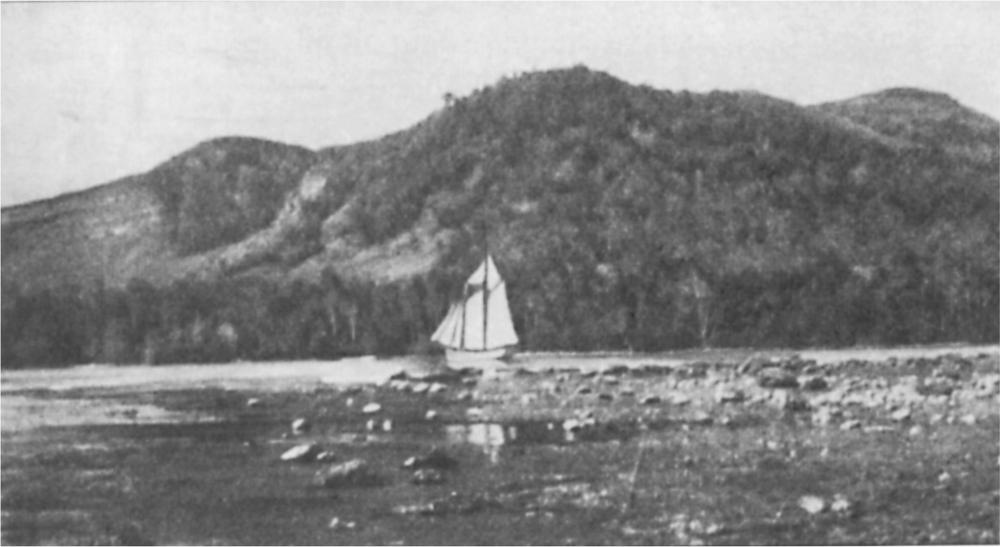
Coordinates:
x,y
500,327
464,328
448,332
493,278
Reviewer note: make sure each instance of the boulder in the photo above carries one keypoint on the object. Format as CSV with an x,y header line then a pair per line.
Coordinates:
x,y
326,457
814,383
436,458
300,425
301,453
431,415
616,369
437,388
840,504
901,415
253,403
371,408
353,473
812,504
728,395
850,424
651,400
776,378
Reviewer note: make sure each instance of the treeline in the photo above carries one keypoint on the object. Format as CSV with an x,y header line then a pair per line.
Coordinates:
x,y
564,307
217,321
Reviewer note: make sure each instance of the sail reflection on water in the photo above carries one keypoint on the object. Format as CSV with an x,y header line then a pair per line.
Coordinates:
x,y
492,437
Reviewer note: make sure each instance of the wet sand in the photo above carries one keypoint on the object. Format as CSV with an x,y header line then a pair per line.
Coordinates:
x,y
608,449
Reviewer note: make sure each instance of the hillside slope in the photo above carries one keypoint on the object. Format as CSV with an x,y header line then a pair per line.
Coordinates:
x,y
623,216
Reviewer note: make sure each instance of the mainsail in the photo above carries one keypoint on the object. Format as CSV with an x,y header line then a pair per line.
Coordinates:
x,y
481,321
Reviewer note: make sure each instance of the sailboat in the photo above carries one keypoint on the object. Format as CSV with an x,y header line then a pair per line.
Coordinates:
x,y
478,329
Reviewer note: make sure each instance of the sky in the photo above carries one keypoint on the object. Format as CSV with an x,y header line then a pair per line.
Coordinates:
x,y
93,91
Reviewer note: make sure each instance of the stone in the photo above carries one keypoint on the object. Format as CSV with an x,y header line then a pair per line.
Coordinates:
x,y
650,400
727,395
840,504
605,396
421,387
431,415
617,369
812,504
300,425
254,403
584,390
353,473
572,425
427,476
968,419
916,431
850,424
814,383
680,399
901,415
436,458
775,378
437,388
371,408
465,396
326,457
301,453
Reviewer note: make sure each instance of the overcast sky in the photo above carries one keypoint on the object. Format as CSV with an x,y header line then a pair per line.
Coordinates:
x,y
95,91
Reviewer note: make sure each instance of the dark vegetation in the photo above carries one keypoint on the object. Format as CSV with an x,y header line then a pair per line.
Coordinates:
x,y
624,217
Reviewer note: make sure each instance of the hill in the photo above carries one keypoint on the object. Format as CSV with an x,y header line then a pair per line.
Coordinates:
x,y
623,217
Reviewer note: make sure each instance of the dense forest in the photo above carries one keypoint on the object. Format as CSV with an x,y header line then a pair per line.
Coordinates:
x,y
623,217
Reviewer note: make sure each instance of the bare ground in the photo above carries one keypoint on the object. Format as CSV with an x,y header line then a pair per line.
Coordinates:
x,y
905,451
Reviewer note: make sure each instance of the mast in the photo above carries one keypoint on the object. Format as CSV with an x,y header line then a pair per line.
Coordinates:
x,y
465,293
486,288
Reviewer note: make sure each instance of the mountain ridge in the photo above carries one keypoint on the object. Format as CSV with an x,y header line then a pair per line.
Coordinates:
x,y
704,216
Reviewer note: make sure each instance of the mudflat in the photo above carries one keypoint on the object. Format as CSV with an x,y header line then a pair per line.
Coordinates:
x,y
719,448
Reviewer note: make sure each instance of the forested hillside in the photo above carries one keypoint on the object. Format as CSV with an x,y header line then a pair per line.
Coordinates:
x,y
623,217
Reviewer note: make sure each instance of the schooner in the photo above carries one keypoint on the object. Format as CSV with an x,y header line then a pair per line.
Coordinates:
x,y
478,328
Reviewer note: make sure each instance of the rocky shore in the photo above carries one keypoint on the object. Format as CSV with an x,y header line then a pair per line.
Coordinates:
x,y
779,450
